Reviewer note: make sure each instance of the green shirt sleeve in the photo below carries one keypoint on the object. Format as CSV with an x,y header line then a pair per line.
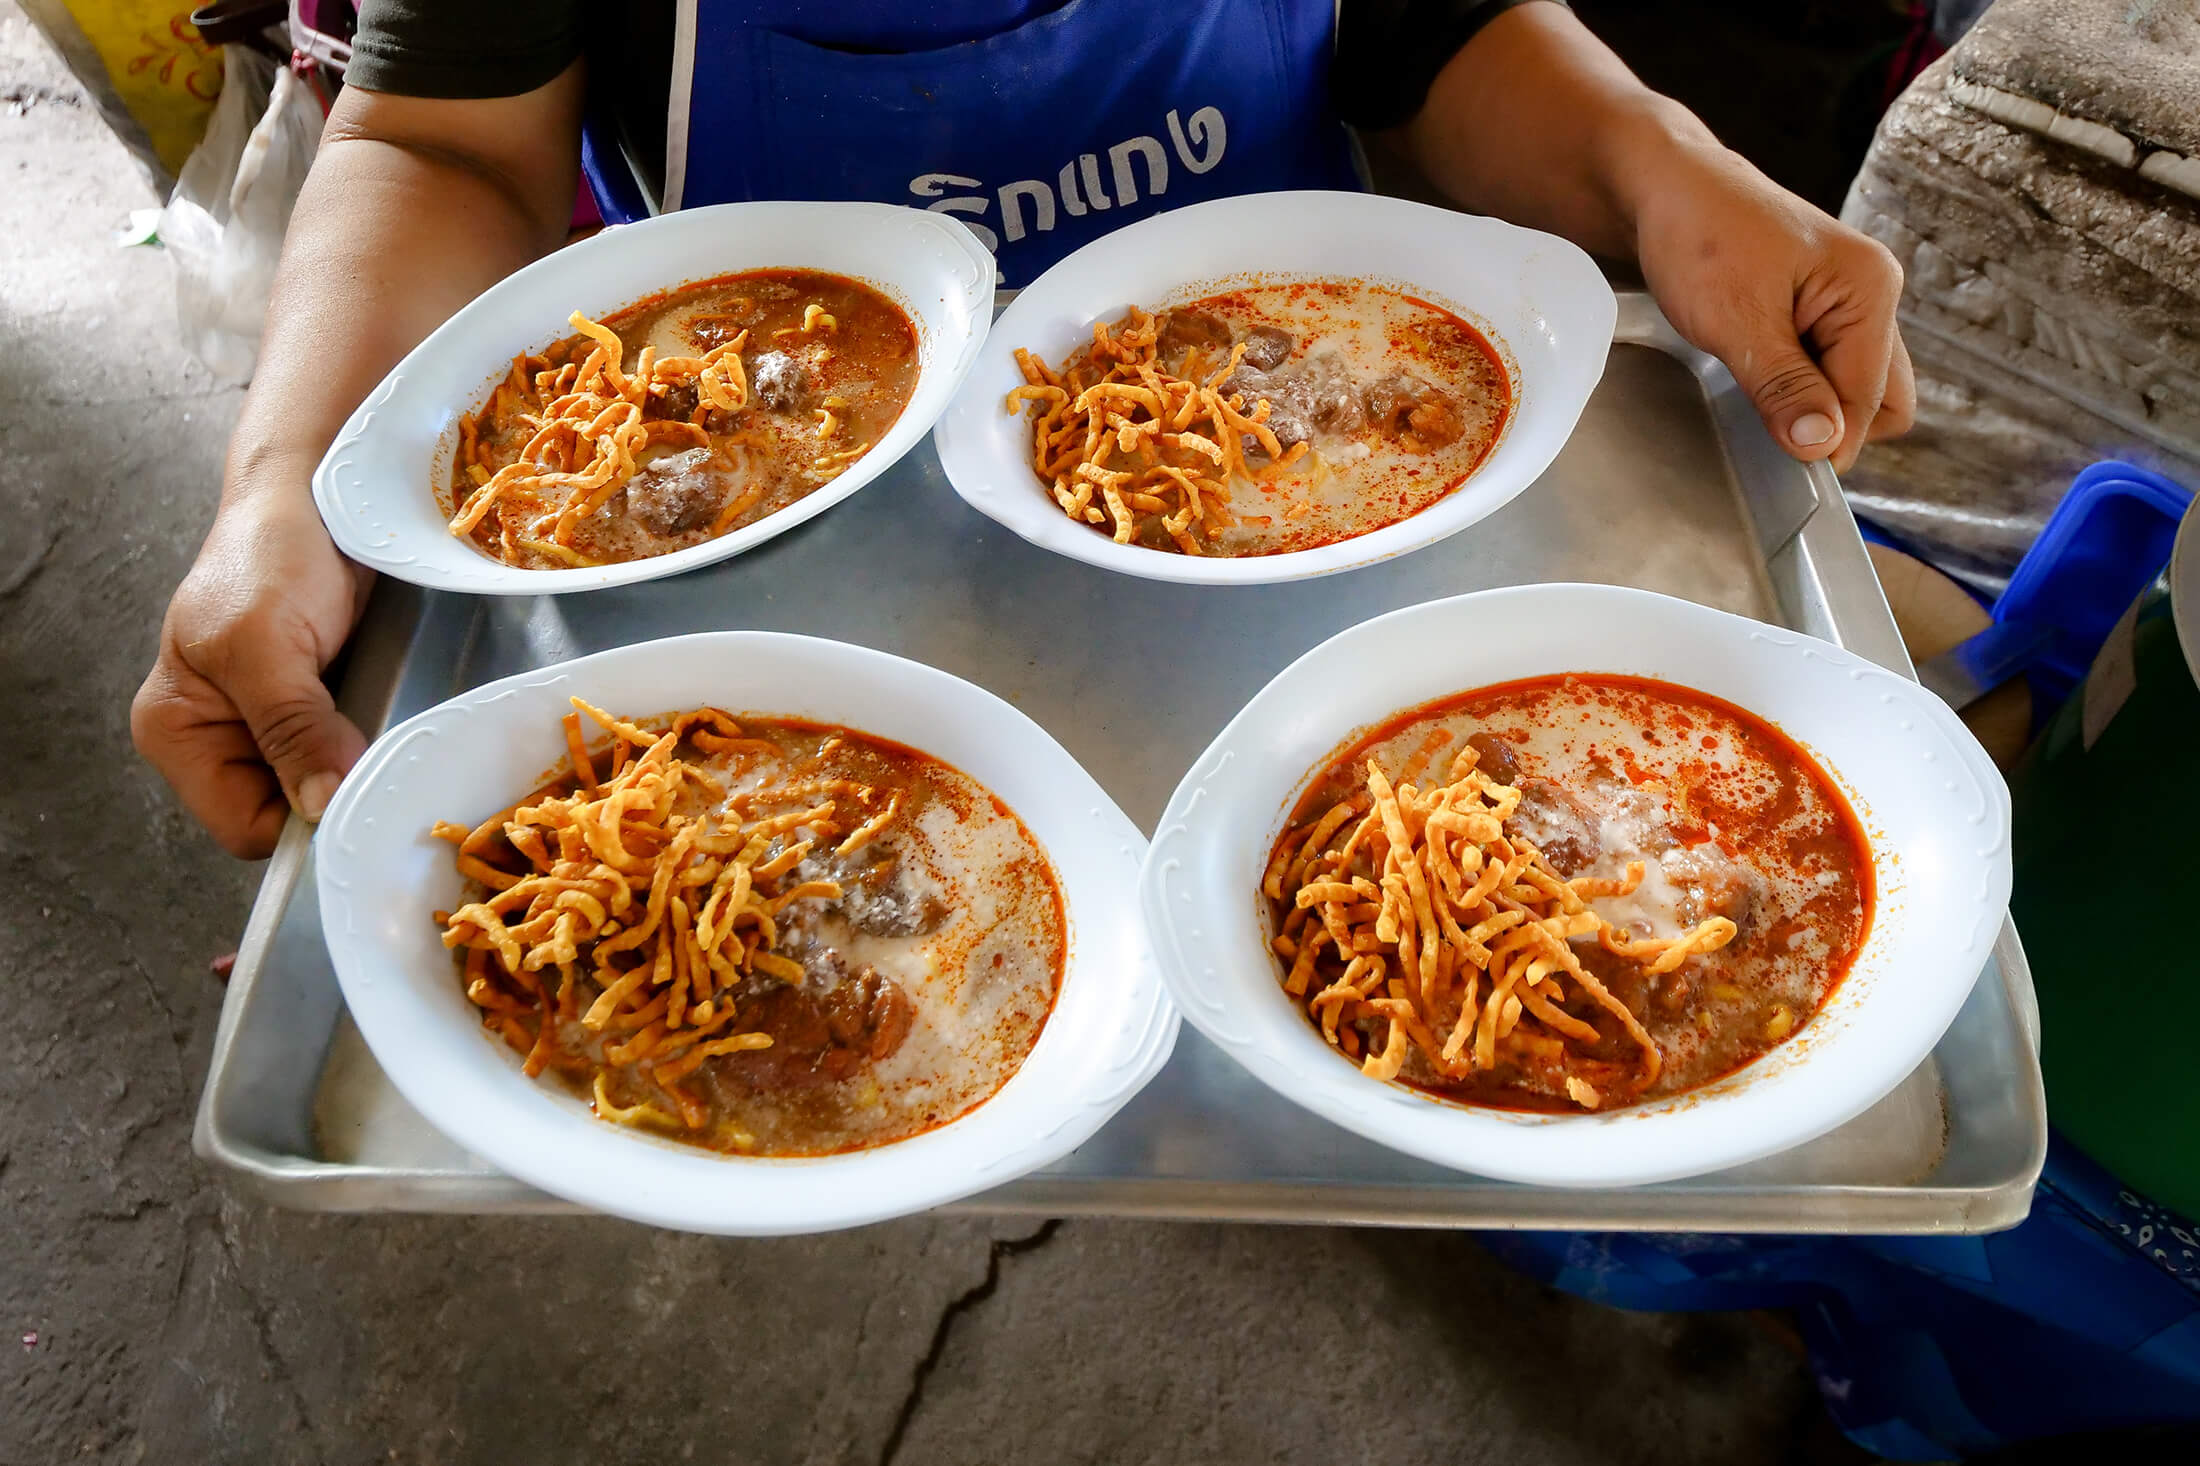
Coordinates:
x,y
463,48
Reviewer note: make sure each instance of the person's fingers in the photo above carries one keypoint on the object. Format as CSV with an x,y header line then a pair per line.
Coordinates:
x,y
1799,406
1849,317
310,746
1899,412
193,736
1858,371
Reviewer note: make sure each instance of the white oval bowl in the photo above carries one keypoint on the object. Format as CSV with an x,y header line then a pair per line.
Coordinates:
x,y
1541,302
381,875
1933,807
377,487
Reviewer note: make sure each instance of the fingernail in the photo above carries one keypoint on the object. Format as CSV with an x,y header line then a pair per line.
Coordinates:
x,y
315,793
1811,429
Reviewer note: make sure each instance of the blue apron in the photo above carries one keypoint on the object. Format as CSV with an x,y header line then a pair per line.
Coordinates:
x,y
1039,124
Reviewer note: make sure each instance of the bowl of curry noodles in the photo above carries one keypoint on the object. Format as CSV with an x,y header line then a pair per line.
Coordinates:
x,y
743,932
1579,885
1278,386
658,397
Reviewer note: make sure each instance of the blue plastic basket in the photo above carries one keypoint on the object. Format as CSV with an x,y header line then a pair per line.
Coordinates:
x,y
2108,538
2083,1319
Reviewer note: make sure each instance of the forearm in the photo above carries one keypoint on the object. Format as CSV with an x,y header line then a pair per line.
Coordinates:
x,y
388,240
1536,121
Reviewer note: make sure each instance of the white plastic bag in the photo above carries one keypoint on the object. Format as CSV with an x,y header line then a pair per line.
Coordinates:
x,y
224,225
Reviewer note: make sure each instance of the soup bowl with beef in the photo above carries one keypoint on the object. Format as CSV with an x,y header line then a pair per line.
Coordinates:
x,y
658,397
743,932
1278,386
1580,885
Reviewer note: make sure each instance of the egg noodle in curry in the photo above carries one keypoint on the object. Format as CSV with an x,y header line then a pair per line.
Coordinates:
x,y
691,414
1270,418
1115,435
1415,908
589,429
637,921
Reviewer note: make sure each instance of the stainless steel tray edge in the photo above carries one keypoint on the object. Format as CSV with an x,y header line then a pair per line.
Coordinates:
x,y
372,669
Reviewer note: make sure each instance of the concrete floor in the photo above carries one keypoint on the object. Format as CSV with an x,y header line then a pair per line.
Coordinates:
x,y
162,1319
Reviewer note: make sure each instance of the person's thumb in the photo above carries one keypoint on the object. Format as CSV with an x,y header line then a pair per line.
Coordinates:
x,y
293,719
1800,407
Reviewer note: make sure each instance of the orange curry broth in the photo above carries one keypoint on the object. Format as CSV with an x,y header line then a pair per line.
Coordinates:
x,y
1679,729
1351,342
867,363
812,1098
1400,491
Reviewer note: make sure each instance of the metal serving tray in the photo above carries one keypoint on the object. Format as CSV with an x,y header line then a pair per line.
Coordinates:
x,y
1669,483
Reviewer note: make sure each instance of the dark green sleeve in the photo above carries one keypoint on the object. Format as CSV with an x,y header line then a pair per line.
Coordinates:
x,y
1389,51
463,48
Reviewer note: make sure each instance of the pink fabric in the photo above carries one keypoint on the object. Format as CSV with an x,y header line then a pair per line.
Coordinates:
x,y
1920,49
585,213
